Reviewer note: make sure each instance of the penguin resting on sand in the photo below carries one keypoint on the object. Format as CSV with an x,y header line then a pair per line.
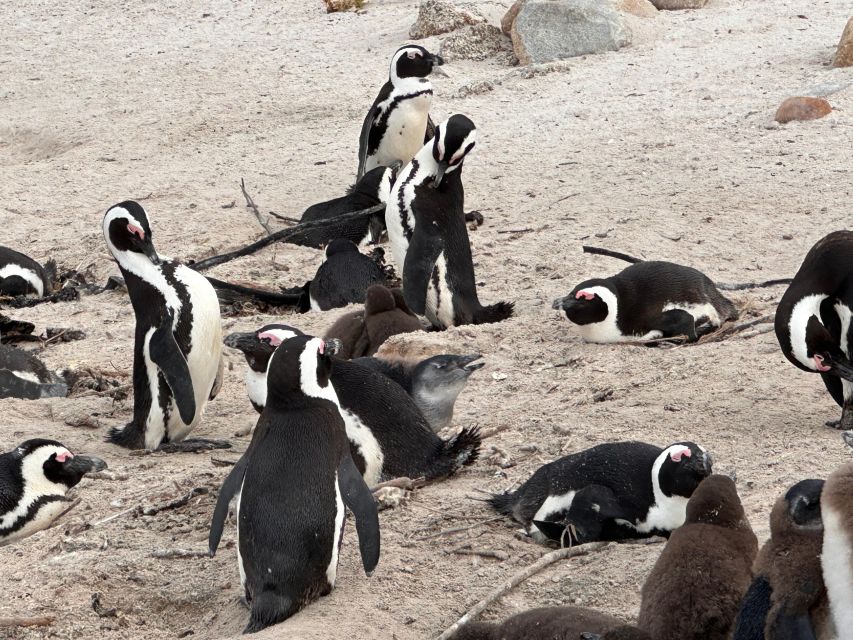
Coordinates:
x,y
34,478
23,375
551,623
612,491
293,484
646,301
20,275
696,586
429,238
344,277
837,553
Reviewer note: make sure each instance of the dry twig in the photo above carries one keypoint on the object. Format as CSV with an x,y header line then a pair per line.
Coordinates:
x,y
251,204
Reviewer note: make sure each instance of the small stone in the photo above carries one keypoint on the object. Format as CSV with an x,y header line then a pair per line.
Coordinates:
x,y
802,108
439,16
343,5
390,497
844,52
498,376
678,5
640,8
477,42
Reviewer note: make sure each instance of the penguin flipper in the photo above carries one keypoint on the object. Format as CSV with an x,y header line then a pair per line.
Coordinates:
x,y
424,249
229,489
167,355
360,500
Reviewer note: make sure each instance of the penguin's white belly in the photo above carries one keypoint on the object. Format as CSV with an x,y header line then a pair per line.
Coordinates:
x,y
362,436
404,135
704,310
667,515
837,561
607,332
439,301
43,518
31,276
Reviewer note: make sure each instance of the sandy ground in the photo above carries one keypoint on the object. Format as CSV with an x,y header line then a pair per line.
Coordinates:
x,y
658,150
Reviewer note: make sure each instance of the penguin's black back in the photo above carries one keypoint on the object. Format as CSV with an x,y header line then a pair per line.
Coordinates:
x,y
344,279
11,481
396,371
15,359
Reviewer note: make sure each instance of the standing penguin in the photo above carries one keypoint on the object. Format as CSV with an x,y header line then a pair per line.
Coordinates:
x,y
177,363
426,227
813,319
293,482
648,300
34,479
344,277
398,121
837,553
20,275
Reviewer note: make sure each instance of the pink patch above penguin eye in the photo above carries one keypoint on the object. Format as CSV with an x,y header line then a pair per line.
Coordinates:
x,y
818,363
136,231
322,348
586,295
269,335
675,456
65,455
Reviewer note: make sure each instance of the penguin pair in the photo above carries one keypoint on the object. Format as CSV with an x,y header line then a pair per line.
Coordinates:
x,y
426,226
613,491
20,275
293,486
344,277
813,319
646,301
177,365
388,435
552,623
23,375
34,478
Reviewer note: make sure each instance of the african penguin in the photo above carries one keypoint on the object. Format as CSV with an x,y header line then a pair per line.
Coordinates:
x,y
344,277
396,126
787,596
612,491
293,484
388,435
645,301
813,318
551,623
20,275
34,478
177,363
23,375
429,238
837,551
434,383
371,190
695,588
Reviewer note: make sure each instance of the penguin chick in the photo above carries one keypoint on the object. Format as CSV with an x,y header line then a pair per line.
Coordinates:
x,y
837,555
544,623
645,301
34,479
787,596
344,277
20,275
695,588
23,375
434,383
396,126
612,491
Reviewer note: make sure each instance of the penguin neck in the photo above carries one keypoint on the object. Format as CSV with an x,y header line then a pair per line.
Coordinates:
x,y
135,264
409,86
802,311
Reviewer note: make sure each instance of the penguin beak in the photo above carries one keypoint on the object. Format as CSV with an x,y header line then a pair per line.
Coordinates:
x,y
439,176
245,341
467,364
146,247
565,303
840,367
79,465
704,463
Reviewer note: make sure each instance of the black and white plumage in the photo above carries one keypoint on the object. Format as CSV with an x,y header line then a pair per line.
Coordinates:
x,y
837,551
20,275
177,364
813,319
344,277
397,124
428,234
648,300
23,375
34,478
388,435
612,491
292,485
434,383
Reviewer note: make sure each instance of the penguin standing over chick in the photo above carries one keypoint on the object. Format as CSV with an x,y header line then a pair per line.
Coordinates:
x,y
293,485
429,238
344,277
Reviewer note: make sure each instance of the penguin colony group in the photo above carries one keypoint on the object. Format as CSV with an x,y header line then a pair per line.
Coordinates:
x,y
337,418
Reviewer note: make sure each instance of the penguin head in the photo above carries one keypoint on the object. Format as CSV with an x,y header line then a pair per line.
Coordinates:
x,y
258,346
445,373
413,61
586,303
50,460
824,350
803,504
299,372
340,245
681,468
454,138
127,232
717,502
379,299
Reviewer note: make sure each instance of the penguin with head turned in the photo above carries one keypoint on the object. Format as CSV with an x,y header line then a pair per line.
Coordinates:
x,y
837,551
397,124
20,275
429,238
648,300
344,277
34,478
177,363
294,484
813,319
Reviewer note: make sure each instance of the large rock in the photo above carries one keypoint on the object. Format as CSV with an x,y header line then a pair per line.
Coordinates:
x,y
802,108
477,42
844,53
678,5
439,16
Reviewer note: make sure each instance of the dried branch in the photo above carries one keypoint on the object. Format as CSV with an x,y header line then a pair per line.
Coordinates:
x,y
173,504
251,204
611,254
169,554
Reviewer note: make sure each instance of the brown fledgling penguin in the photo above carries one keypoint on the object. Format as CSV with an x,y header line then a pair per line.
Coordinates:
x,y
837,556
696,586
544,623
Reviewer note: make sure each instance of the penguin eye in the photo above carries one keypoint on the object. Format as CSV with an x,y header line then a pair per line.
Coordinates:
x,y
438,365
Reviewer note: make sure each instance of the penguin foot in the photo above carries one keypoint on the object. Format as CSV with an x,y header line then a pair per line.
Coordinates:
x,y
193,445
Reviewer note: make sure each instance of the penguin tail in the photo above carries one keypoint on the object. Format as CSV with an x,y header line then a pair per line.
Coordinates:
x,y
503,503
269,608
494,313
129,436
455,453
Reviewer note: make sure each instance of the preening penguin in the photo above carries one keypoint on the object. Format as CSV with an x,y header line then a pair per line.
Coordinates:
x,y
396,126
612,491
426,227
344,277
293,484
20,275
178,345
34,478
837,556
813,318
545,623
695,588
645,301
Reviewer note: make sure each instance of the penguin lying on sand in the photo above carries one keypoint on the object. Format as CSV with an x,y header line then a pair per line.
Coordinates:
x,y
813,318
645,301
177,365
293,482
20,275
695,588
787,598
612,491
837,552
551,623
34,478
389,437
426,227
344,277
434,383
23,375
